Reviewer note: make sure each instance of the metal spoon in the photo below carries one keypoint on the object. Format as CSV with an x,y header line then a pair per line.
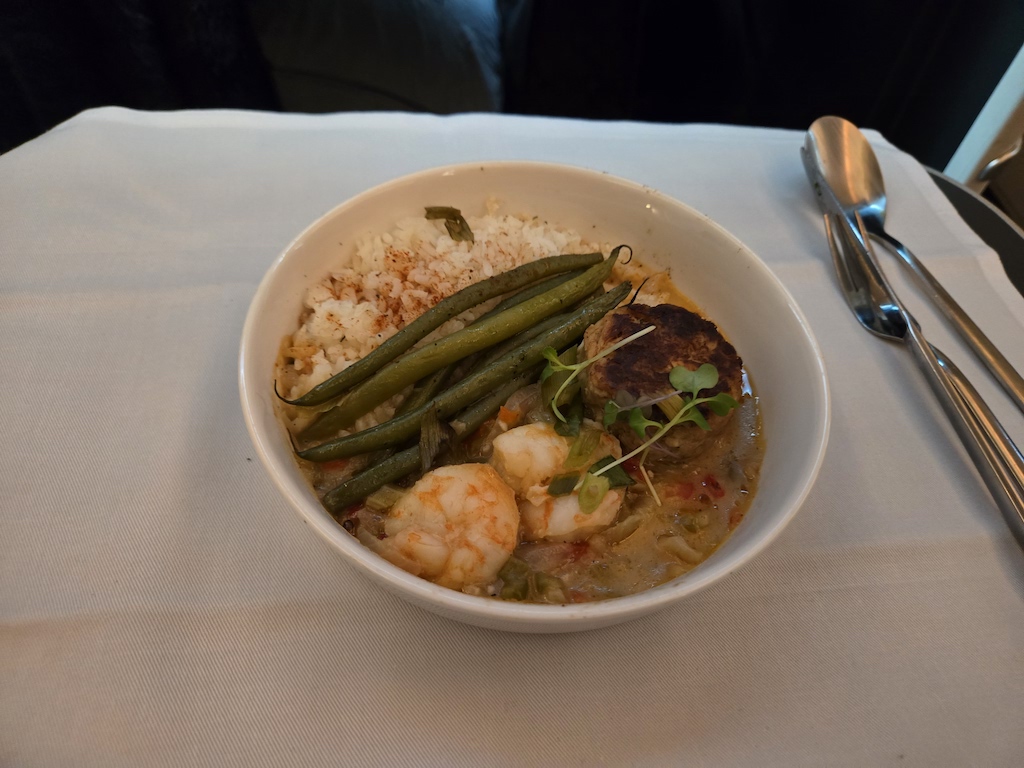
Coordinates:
x,y
994,453
850,167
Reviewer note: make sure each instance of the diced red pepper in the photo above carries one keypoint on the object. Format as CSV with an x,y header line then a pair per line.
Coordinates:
x,y
577,550
632,467
711,483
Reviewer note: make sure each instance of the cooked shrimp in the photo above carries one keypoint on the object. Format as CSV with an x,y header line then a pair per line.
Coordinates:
x,y
527,458
456,526
529,455
559,518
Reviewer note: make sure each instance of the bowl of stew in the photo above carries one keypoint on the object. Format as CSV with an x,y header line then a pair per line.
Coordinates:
x,y
532,397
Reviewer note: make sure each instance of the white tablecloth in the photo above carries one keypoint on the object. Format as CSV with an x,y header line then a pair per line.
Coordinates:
x,y
160,604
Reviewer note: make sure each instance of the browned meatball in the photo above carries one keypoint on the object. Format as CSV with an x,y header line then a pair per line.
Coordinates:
x,y
641,368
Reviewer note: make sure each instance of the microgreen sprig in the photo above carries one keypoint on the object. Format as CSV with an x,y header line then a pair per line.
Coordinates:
x,y
554,364
686,382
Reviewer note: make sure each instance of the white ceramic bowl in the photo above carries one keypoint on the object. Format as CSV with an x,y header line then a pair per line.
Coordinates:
x,y
733,287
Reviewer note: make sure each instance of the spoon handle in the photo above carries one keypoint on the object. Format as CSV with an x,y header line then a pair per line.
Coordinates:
x,y
1000,368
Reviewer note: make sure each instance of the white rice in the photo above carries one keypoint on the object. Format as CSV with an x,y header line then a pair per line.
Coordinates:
x,y
392,278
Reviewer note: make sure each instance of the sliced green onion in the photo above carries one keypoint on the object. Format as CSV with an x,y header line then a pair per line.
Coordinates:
x,y
563,485
550,589
592,492
694,522
515,574
441,212
582,447
384,498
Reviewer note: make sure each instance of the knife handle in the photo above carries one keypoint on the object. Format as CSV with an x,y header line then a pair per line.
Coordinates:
x,y
997,459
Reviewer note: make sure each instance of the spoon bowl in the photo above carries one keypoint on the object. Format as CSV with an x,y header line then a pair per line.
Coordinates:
x,y
850,167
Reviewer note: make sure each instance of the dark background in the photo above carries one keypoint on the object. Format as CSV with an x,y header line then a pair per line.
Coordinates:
x,y
917,71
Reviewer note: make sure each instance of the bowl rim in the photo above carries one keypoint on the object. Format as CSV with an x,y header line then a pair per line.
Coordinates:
x,y
459,605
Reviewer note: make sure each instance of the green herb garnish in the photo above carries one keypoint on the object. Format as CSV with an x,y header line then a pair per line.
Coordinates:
x,y
686,382
617,476
555,364
611,413
641,423
574,418
551,380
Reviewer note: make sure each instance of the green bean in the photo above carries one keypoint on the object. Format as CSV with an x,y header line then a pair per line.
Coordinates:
x,y
485,357
362,485
437,316
396,376
475,415
508,345
472,387
406,462
478,360
425,390
428,387
530,291
454,222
